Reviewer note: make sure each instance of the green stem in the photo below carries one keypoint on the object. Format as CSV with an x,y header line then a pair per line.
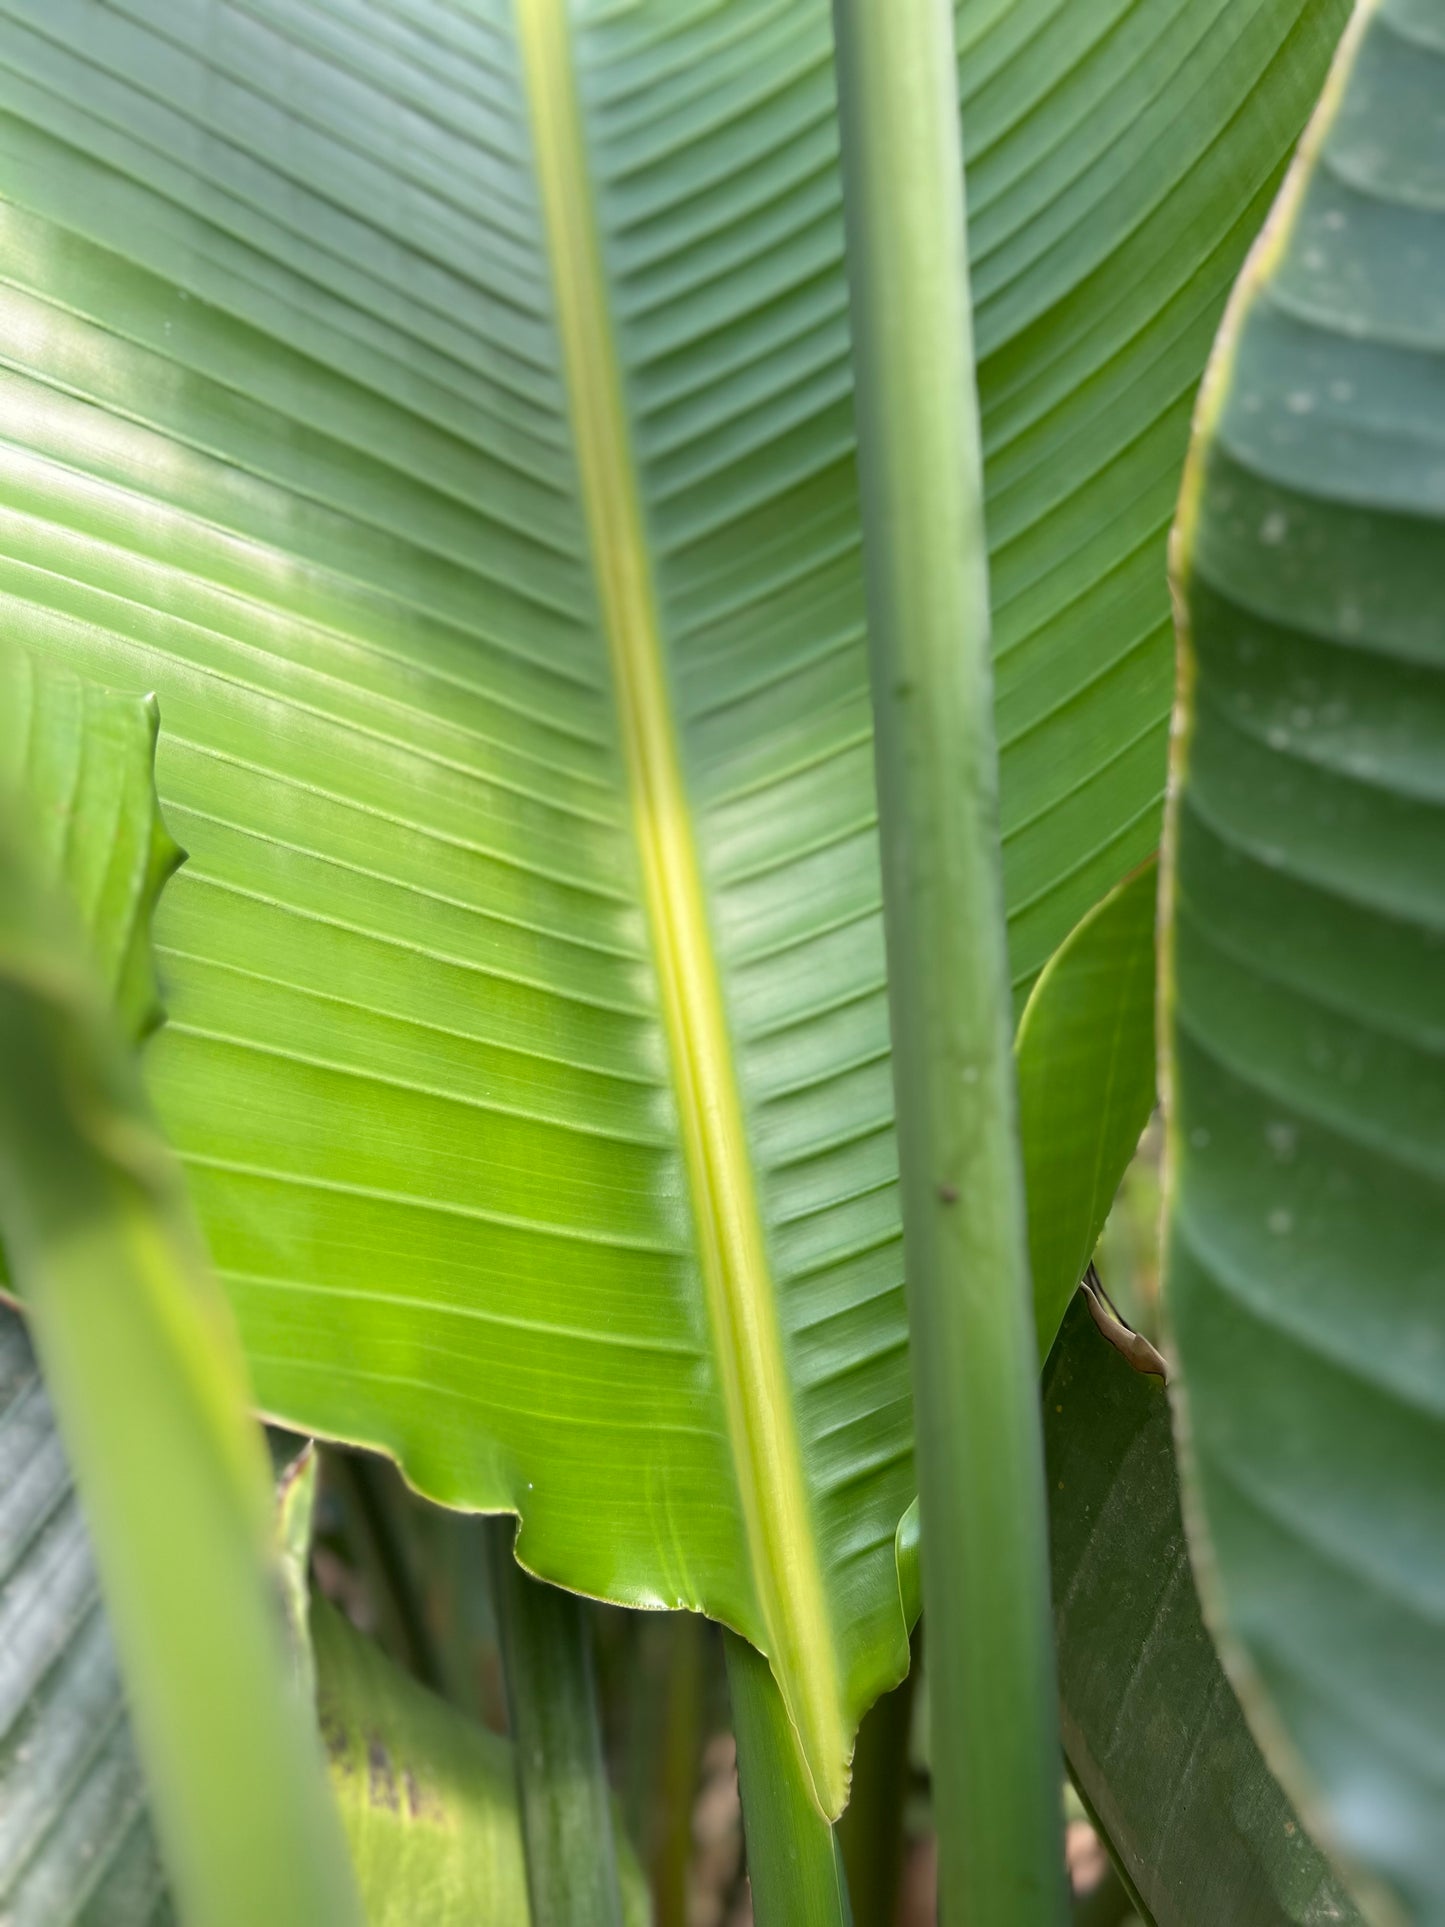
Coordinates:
x,y
794,1864
561,1781
870,1832
667,1709
376,1492
991,1681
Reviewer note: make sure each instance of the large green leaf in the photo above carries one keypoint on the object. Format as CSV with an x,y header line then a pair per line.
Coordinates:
x,y
1154,1735
447,411
141,1362
1308,1000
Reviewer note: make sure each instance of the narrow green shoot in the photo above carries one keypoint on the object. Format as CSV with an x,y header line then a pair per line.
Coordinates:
x,y
870,1833
567,1832
980,1464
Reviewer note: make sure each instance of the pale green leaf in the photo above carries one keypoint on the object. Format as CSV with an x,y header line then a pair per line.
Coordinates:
x,y
528,1053
428,1798
1307,1032
84,757
1085,1053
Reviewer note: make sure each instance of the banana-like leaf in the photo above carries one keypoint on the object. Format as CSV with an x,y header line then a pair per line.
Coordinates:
x,y
1153,1733
1085,1054
448,412
1307,1157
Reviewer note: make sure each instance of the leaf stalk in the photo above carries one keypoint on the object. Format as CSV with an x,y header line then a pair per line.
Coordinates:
x,y
991,1673
795,1867
567,1836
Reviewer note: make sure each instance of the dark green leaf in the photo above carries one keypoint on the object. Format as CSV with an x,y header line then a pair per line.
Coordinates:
x,y
1152,1731
1307,1137
562,1793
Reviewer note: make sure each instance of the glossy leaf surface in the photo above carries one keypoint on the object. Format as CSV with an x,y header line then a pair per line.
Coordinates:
x,y
1308,998
448,412
1153,1733
1085,1053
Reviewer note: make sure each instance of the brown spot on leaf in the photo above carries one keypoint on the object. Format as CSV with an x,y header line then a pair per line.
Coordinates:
x,y
334,1736
380,1780
423,1801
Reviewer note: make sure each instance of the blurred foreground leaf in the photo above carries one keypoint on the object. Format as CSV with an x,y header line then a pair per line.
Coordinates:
x,y
139,1359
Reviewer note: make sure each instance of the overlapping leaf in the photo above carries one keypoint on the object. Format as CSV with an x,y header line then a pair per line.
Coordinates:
x,y
288,437
1308,1021
1085,1053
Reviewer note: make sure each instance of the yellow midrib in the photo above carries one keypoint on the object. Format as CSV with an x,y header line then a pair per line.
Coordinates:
x,y
737,1278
